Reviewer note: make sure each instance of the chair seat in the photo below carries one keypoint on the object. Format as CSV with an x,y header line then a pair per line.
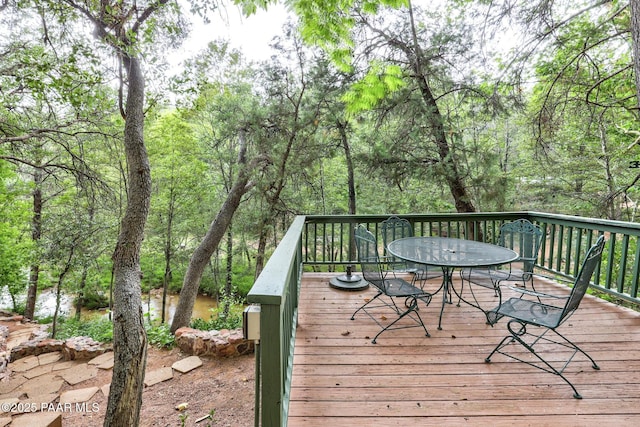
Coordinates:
x,y
531,312
397,287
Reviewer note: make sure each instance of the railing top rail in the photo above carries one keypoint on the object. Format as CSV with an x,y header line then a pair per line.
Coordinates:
x,y
269,287
434,216
594,223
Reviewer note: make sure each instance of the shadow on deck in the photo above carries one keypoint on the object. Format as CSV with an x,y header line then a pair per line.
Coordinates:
x,y
341,378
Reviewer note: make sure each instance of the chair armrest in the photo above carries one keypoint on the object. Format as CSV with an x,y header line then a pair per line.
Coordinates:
x,y
535,293
553,278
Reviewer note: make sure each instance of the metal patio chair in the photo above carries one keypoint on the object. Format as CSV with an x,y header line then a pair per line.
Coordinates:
x,y
525,314
524,238
393,293
394,228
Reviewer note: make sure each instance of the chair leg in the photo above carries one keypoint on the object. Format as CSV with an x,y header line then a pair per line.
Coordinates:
x,y
516,336
364,305
413,308
490,315
594,365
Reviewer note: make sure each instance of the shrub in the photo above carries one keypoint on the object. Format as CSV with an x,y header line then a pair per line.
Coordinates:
x,y
219,320
92,300
160,336
99,328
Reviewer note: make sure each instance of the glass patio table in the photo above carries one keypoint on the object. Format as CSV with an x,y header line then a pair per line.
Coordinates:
x,y
449,254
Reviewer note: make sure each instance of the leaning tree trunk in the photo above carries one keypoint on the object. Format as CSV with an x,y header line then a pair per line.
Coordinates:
x,y
202,254
453,177
129,337
273,199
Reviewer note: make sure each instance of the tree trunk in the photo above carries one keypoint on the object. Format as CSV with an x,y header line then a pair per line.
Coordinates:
x,y
82,285
228,283
262,243
202,254
64,272
453,177
456,184
36,234
129,336
610,205
167,255
268,216
351,182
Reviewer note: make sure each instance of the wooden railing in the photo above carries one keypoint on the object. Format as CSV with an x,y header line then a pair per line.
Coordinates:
x,y
325,243
276,291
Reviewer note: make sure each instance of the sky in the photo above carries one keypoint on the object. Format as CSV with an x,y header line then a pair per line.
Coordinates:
x,y
251,35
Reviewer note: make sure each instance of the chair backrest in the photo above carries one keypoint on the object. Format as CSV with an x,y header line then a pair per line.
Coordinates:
x,y
367,248
524,238
581,284
394,228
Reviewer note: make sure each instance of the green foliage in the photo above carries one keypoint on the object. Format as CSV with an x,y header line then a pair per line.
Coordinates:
x,y
582,107
98,328
379,82
328,24
160,336
242,279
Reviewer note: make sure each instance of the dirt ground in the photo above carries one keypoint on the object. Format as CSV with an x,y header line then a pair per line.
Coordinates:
x,y
222,388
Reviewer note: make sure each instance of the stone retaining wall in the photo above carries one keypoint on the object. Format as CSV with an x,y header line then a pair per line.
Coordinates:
x,y
76,348
224,343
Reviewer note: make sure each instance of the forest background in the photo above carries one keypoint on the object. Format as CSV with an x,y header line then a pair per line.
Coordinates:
x,y
365,107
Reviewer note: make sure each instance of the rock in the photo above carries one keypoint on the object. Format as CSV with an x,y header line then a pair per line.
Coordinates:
x,y
187,364
35,348
78,395
82,348
158,376
44,419
223,343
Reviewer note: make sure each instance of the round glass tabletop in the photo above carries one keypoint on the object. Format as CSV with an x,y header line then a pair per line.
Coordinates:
x,y
450,252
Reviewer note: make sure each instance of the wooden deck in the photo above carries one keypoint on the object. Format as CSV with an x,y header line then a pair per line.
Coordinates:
x,y
341,379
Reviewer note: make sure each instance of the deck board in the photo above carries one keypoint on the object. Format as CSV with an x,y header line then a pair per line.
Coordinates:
x,y
341,378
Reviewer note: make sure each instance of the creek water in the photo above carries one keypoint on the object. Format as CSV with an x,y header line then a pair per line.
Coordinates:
x,y
46,304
